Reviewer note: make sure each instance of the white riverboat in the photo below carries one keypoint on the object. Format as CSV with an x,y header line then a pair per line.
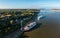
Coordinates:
x,y
29,26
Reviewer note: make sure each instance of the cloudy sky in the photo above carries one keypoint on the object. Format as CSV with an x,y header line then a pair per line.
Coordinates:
x,y
29,4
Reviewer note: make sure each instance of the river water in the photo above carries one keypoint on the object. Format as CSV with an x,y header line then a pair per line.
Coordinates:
x,y
50,27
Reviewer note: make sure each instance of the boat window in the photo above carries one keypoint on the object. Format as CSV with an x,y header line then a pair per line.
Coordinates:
x,y
28,26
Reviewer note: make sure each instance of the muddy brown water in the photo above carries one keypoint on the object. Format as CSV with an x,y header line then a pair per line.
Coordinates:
x,y
50,27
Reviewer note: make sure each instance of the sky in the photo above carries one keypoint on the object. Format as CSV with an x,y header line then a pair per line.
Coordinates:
x,y
23,4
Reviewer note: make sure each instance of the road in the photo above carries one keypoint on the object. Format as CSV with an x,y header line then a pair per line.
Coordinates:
x,y
15,34
50,27
18,32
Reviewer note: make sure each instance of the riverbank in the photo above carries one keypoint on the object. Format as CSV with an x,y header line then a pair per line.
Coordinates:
x,y
50,28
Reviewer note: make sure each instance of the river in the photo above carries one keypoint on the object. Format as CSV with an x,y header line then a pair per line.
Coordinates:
x,y
50,27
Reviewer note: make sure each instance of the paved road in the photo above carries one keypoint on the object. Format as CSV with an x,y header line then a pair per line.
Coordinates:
x,y
50,27
15,34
